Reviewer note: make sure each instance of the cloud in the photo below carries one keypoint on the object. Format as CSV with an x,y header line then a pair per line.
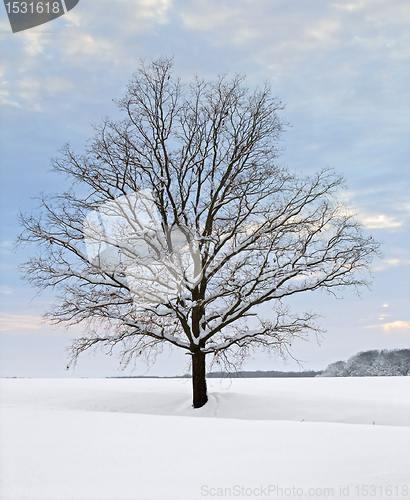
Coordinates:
x,y
5,91
18,322
34,89
280,28
405,207
386,193
309,45
130,17
34,45
398,325
83,47
290,27
388,264
6,246
34,324
380,221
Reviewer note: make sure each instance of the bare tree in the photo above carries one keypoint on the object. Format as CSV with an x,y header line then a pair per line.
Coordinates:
x,y
180,224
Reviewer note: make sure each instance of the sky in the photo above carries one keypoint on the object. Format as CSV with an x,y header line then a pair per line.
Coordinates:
x,y
341,67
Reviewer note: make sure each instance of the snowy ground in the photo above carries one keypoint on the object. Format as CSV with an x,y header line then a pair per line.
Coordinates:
x,y
139,439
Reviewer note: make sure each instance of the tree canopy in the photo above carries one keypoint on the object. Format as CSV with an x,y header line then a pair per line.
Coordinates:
x,y
180,223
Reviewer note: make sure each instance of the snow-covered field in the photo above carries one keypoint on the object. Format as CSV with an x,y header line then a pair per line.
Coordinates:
x,y
139,439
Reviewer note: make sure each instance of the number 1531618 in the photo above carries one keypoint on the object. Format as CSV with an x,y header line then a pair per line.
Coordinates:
x,y
33,7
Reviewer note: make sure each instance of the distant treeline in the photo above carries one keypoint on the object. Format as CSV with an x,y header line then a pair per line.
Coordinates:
x,y
240,374
263,374
375,363
364,364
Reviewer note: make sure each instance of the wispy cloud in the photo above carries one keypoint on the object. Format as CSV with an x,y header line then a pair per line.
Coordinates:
x,y
77,46
380,206
17,322
388,264
4,89
31,89
398,325
380,221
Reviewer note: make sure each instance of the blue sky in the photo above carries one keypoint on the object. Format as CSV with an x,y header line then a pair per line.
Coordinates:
x,y
341,67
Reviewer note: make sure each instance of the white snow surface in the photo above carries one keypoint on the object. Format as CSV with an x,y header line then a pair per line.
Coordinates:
x,y
140,439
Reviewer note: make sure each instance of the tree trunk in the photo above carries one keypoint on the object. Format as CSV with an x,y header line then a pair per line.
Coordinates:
x,y
200,396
